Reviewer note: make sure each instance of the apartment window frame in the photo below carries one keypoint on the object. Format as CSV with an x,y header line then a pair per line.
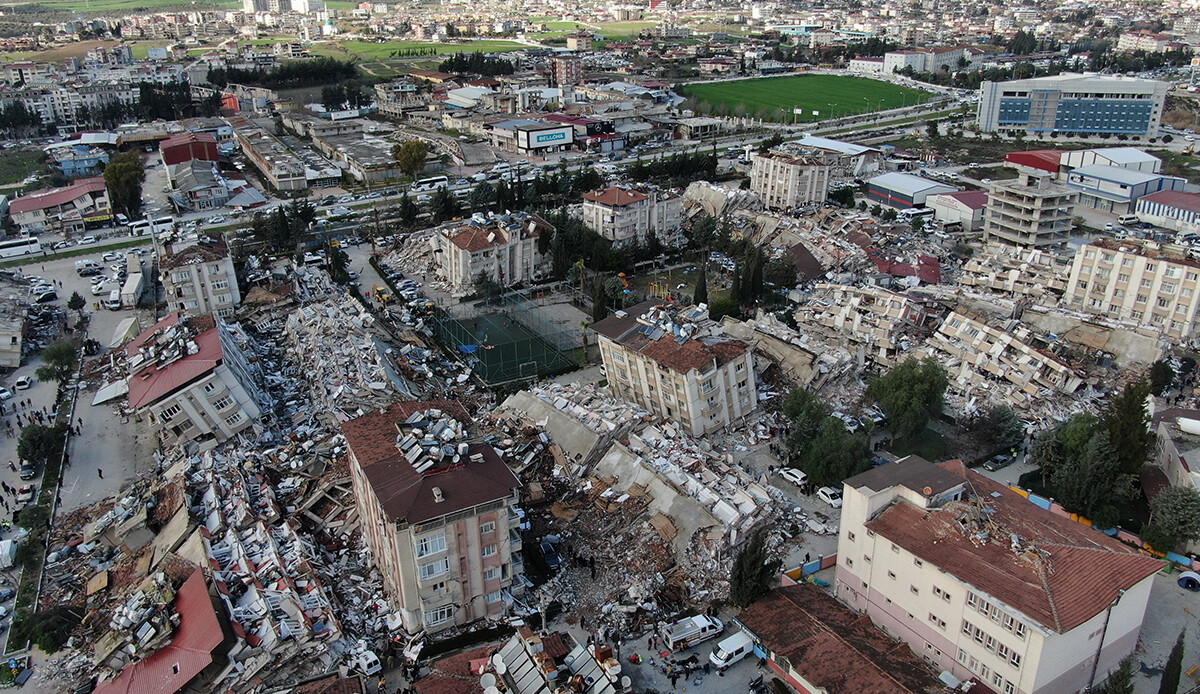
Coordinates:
x,y
430,545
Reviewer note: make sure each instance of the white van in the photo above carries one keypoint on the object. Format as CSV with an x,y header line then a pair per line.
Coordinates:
x,y
731,650
113,302
1128,219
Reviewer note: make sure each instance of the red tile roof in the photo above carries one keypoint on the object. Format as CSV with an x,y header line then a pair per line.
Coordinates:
x,y
186,138
406,494
616,197
835,648
57,196
152,383
1175,198
682,357
473,239
201,252
170,668
331,684
1064,574
974,199
453,675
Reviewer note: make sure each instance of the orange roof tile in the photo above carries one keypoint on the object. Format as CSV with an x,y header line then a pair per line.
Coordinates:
x,y
616,197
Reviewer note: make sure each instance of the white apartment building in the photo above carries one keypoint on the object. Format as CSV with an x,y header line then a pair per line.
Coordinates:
x,y
1030,210
784,181
984,583
672,361
1146,41
623,215
444,534
1145,282
503,247
191,380
200,278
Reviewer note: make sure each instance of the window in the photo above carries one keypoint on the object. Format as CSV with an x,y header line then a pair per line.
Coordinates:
x,y
494,597
939,623
892,575
169,412
235,419
740,367
1151,267
1020,630
1127,262
1192,276
996,614
220,284
491,574
1167,288
978,636
489,551
1123,277
223,403
997,680
1107,257
1009,688
895,548
431,545
972,599
850,536
990,643
1015,659
1146,282
1002,651
867,558
967,628
439,615
914,590
209,387
984,606
962,656
849,561
918,562
488,527
435,568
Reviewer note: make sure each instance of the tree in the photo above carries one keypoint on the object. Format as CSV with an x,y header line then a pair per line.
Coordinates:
x,y
483,196
407,211
59,361
753,571
931,129
770,143
835,454
1161,377
39,444
443,206
338,263
485,287
1128,424
1001,427
806,414
1120,681
704,231
910,394
1092,484
76,303
701,296
411,156
1174,517
918,224
599,302
124,176
1173,669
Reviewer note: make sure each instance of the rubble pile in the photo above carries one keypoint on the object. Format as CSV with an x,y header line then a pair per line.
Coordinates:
x,y
414,257
140,625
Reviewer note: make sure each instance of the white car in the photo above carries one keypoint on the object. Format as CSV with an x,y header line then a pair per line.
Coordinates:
x,y
796,477
86,240
113,255
831,496
216,220
5,393
23,383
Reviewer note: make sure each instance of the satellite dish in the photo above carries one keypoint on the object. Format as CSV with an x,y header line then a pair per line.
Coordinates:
x,y
488,680
625,682
500,666
491,690
927,491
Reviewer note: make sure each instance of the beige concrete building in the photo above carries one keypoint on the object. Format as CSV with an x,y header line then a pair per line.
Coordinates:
x,y
674,362
982,582
1030,210
442,526
1142,281
506,250
200,279
876,323
1017,270
622,215
193,383
784,181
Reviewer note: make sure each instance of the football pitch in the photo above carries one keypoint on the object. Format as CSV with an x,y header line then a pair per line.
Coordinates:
x,y
817,97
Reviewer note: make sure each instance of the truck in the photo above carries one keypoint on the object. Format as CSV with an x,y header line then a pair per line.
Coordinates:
x,y
690,631
131,293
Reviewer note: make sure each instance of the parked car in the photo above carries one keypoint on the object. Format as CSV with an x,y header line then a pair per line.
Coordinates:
x,y
26,494
113,255
23,383
551,555
27,471
796,477
997,462
831,496
46,297
6,594
5,394
83,241
63,244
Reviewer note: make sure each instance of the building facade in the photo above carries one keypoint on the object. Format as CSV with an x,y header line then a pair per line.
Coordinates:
x,y
1073,104
506,250
200,279
623,216
985,584
443,531
1141,281
1030,210
963,209
1116,189
1171,209
703,381
901,190
190,379
784,181
68,209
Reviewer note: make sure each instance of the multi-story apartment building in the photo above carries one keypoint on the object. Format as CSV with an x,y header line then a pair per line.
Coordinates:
x,y
623,215
875,322
1030,210
1142,281
672,361
199,278
1073,104
506,249
784,181
568,70
986,584
191,380
12,331
279,166
68,209
1131,41
442,526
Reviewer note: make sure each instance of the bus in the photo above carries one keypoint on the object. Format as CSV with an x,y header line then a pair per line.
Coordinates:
x,y
428,185
25,245
153,226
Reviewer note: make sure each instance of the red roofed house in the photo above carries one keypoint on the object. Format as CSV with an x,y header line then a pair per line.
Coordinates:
x,y
622,215
437,513
964,208
191,380
984,583
817,645
67,209
668,359
196,654
505,248
188,146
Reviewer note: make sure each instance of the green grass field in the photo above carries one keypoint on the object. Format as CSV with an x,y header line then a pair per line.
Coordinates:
x,y
774,98
16,164
99,6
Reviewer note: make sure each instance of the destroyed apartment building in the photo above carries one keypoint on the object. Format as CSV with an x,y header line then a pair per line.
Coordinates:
x,y
877,325
1015,270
